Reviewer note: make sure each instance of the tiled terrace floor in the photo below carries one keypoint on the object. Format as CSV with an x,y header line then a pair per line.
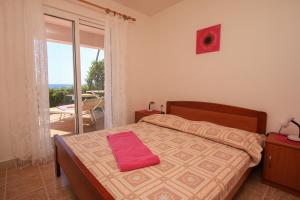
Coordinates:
x,y
66,125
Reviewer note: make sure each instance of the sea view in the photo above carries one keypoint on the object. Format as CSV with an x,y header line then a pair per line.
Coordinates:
x,y
55,86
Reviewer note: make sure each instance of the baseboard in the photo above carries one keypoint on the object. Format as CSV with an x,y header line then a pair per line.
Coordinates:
x,y
8,164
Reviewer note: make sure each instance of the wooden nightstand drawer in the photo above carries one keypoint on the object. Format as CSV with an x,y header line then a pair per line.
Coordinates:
x,y
282,163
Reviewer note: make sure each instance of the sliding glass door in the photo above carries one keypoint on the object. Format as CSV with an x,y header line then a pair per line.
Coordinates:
x,y
75,74
92,77
61,79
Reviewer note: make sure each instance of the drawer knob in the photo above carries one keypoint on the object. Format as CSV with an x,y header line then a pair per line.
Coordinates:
x,y
270,161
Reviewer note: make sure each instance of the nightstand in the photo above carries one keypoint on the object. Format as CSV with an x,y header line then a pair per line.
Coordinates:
x,y
143,113
282,162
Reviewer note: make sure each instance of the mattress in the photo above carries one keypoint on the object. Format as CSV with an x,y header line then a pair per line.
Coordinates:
x,y
191,167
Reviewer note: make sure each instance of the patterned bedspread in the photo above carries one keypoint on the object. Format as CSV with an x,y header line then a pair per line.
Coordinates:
x,y
191,167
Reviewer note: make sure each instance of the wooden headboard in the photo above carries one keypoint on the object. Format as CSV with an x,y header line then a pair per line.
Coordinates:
x,y
231,116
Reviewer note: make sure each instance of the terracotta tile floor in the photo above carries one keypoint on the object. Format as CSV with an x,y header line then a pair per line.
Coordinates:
x,y
254,189
33,183
39,182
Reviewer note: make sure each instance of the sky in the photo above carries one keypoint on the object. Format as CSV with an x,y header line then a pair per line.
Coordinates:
x,y
60,62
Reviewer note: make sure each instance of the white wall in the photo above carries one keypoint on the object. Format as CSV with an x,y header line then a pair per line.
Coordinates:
x,y
5,142
258,66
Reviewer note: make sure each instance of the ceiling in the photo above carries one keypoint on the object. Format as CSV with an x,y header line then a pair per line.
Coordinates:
x,y
148,7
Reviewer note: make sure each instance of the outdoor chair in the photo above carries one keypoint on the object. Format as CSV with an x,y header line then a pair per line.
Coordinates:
x,y
88,107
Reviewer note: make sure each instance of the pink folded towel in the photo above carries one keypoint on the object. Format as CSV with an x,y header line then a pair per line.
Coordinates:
x,y
130,152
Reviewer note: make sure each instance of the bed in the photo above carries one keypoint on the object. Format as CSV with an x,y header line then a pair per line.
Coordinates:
x,y
189,164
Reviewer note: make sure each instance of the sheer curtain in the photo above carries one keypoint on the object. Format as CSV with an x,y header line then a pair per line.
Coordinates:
x,y
24,95
115,43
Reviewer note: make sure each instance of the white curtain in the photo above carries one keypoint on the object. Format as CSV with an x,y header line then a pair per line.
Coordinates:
x,y
115,43
24,90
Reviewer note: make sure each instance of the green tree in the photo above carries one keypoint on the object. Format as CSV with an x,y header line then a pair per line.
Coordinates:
x,y
95,76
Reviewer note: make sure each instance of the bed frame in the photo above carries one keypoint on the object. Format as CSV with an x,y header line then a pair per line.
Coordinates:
x,y
87,187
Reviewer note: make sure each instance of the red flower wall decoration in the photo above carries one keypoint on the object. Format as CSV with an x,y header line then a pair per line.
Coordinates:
x,y
208,39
